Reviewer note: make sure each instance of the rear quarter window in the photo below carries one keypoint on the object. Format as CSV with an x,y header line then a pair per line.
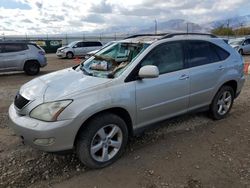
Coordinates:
x,y
223,54
203,52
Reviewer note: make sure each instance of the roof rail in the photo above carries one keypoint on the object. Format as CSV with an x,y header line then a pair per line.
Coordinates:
x,y
178,34
142,35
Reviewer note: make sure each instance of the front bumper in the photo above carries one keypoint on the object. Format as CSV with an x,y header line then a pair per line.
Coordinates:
x,y
30,129
60,54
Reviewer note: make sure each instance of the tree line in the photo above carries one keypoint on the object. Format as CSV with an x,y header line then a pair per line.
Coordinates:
x,y
228,31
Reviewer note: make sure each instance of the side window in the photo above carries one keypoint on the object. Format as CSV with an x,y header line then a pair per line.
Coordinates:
x,y
201,53
79,45
167,57
223,54
1,48
14,47
247,42
97,44
89,44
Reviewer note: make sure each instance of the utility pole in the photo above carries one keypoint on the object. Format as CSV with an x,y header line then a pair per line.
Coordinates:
x,y
66,38
155,26
83,36
228,29
242,29
187,27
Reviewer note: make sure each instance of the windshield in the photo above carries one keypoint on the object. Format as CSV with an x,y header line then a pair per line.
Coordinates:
x,y
236,42
72,44
111,61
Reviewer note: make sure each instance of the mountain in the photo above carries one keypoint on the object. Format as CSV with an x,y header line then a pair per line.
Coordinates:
x,y
234,22
174,25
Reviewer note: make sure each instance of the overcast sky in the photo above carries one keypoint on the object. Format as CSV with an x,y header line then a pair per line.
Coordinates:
x,y
66,16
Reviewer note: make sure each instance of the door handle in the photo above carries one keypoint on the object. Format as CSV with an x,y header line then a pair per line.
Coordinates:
x,y
184,77
221,68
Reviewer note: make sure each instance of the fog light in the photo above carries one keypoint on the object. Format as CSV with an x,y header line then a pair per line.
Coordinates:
x,y
44,141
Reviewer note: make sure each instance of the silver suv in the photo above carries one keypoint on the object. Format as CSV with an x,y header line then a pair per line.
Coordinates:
x,y
21,56
96,106
78,48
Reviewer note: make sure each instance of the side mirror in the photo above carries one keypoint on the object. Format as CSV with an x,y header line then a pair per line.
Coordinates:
x,y
149,71
75,46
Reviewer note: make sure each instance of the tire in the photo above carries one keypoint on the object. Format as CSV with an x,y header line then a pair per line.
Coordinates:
x,y
222,103
94,141
32,68
69,55
241,52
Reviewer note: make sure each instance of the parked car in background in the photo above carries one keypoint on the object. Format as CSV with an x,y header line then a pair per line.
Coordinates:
x,y
96,106
21,56
89,54
242,45
78,48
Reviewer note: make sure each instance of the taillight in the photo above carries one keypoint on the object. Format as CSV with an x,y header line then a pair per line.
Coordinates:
x,y
41,52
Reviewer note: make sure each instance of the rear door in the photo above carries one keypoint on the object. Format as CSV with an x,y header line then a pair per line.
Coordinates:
x,y
167,95
14,55
206,68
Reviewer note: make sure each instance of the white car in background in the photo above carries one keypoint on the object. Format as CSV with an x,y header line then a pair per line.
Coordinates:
x,y
242,45
78,48
89,54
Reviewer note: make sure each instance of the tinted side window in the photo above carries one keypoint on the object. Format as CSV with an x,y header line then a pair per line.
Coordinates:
x,y
201,53
79,45
167,57
223,54
15,47
97,44
1,48
247,42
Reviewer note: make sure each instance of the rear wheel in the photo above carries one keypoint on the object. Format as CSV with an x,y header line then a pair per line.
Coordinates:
x,y
69,55
222,103
32,67
102,141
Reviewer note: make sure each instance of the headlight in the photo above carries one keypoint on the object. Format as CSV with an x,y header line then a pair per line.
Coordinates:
x,y
49,111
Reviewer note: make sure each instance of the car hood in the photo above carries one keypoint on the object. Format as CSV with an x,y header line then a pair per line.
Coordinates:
x,y
60,84
234,46
63,47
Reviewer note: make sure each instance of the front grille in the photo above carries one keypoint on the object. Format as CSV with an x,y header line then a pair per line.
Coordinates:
x,y
20,101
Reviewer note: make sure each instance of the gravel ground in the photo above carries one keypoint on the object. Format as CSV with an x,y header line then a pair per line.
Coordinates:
x,y
188,151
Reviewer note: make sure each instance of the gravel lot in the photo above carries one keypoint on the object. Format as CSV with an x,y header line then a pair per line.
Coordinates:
x,y
188,151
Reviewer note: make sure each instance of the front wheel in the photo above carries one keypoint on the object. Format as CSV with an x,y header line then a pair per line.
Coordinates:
x,y
69,55
102,141
222,103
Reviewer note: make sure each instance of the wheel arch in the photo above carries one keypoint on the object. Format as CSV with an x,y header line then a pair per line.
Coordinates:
x,y
30,60
121,112
233,84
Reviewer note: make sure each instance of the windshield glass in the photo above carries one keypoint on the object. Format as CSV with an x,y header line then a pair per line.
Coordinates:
x,y
236,42
111,61
72,44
